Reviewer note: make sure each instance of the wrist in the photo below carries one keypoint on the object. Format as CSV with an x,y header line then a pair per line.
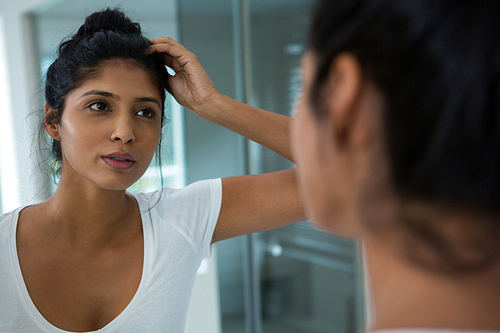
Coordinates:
x,y
211,107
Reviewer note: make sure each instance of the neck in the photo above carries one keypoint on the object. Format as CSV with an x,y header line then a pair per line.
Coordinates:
x,y
409,296
88,214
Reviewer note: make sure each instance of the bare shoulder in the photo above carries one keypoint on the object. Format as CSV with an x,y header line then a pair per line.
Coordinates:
x,y
29,224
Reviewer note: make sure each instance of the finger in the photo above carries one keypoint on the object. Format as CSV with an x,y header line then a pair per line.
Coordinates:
x,y
168,60
159,40
167,40
167,48
169,45
172,62
182,55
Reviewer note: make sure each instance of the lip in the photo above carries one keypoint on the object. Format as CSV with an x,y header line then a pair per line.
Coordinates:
x,y
119,160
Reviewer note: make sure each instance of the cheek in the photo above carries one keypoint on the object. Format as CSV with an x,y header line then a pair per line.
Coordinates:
x,y
318,175
146,145
80,141
305,155
78,135
152,138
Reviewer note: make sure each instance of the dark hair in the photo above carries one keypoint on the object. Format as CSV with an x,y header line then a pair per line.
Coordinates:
x,y
437,64
105,35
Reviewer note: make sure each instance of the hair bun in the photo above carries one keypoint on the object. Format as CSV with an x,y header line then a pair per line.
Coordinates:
x,y
107,20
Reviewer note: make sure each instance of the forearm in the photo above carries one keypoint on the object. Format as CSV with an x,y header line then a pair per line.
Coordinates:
x,y
269,129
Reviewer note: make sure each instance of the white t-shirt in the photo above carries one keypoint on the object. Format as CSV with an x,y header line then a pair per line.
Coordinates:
x,y
429,330
177,232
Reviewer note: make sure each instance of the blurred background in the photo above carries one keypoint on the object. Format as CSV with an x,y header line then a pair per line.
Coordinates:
x,y
294,279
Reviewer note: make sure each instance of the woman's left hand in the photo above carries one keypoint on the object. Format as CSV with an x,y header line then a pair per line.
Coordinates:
x,y
191,86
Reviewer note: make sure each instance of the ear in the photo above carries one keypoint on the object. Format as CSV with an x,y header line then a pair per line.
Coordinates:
x,y
345,83
51,127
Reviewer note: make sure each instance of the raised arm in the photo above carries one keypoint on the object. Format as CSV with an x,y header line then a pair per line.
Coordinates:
x,y
270,129
250,203
194,90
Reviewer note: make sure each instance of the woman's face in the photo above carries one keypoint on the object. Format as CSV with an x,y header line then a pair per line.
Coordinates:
x,y
307,150
324,180
342,166
110,127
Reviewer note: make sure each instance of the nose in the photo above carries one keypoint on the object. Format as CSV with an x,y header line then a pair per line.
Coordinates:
x,y
123,130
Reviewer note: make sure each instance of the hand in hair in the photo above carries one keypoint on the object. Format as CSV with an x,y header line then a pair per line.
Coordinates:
x,y
191,86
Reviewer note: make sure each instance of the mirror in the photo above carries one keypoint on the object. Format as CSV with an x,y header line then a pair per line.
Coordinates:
x,y
56,20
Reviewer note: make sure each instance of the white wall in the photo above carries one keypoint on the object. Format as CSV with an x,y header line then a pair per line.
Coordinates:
x,y
18,169
5,115
21,180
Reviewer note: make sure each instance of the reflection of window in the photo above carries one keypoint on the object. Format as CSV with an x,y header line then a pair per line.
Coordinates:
x,y
8,172
294,88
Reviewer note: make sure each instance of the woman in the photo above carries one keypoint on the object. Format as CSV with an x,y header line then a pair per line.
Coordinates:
x,y
96,257
397,140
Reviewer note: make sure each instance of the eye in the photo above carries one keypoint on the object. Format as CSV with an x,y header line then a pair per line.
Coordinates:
x,y
148,113
98,106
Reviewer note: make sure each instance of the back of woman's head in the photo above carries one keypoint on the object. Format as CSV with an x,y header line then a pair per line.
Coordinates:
x,y
105,35
437,65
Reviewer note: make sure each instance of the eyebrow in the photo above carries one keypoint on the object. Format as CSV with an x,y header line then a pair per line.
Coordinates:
x,y
148,99
114,96
100,93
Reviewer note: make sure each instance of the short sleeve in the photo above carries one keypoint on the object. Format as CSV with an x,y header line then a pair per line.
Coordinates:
x,y
215,205
193,211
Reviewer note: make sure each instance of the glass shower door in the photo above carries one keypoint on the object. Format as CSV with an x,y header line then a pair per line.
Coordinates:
x,y
297,278
307,281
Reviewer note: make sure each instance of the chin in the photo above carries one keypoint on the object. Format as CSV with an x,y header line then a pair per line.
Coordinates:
x,y
317,220
331,217
320,224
